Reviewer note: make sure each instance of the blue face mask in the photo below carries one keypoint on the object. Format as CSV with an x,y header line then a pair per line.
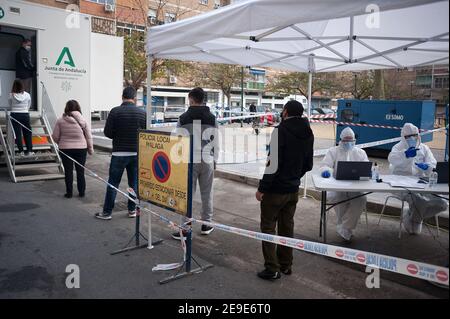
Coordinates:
x,y
348,146
412,142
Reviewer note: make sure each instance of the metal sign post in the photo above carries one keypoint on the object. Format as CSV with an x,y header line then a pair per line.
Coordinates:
x,y
165,179
188,255
137,233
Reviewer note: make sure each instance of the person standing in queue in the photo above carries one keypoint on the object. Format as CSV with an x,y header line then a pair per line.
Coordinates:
x,y
291,147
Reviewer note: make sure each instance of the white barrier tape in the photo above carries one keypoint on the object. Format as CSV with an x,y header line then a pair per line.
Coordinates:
x,y
393,264
38,136
165,267
323,116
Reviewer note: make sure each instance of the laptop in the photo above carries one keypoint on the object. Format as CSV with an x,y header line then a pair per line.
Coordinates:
x,y
354,171
442,170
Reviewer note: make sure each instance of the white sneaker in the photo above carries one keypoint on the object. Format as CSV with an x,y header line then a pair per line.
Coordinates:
x,y
344,233
132,214
21,154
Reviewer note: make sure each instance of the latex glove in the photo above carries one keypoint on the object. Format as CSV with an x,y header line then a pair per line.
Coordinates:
x,y
422,166
326,174
411,152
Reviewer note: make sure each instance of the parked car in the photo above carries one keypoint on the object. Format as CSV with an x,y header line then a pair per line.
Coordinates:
x,y
325,110
95,116
172,113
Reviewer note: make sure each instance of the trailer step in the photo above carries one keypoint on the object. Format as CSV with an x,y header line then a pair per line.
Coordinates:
x,y
30,178
36,156
36,166
38,147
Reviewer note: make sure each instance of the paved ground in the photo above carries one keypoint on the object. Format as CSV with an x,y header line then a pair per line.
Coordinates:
x,y
41,233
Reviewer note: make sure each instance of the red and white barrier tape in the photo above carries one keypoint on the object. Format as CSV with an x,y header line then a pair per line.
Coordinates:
x,y
362,125
393,264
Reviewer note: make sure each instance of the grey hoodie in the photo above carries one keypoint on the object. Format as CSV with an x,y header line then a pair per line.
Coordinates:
x,y
19,102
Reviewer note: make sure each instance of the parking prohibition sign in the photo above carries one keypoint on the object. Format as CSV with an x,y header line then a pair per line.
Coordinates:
x,y
161,167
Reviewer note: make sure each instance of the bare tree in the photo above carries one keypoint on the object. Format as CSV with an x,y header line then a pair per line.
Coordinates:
x,y
216,76
135,59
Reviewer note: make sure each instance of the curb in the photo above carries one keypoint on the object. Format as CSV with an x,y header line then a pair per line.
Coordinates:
x,y
253,181
103,148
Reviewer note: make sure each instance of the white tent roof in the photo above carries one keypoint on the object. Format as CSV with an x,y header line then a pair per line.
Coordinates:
x,y
340,35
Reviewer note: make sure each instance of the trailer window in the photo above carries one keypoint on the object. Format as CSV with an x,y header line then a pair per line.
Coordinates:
x,y
347,115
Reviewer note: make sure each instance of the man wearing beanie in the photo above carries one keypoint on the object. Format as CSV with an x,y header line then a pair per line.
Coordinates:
x,y
290,157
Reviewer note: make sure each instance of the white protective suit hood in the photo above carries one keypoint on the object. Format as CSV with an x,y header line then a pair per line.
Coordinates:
x,y
347,132
410,129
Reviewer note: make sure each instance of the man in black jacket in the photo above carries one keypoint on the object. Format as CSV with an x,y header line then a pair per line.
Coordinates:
x,y
291,148
122,127
24,67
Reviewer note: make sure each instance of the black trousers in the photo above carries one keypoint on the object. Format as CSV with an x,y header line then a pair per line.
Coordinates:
x,y
277,211
80,156
24,119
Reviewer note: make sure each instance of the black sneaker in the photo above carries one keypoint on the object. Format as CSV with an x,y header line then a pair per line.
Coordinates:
x,y
269,275
103,216
177,236
206,230
286,271
68,195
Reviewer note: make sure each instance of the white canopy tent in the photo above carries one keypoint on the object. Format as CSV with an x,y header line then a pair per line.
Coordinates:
x,y
309,36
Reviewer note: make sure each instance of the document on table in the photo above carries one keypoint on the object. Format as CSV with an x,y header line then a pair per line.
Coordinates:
x,y
403,181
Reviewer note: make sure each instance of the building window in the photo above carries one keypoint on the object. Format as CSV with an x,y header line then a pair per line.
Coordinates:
x,y
204,2
170,17
112,2
212,97
257,75
105,26
423,81
441,82
151,14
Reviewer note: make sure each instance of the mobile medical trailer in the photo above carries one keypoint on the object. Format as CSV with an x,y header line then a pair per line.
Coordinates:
x,y
71,63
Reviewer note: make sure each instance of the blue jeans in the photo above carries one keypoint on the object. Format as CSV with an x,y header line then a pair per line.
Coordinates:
x,y
116,168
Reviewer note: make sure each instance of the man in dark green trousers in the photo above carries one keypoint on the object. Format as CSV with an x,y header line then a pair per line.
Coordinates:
x,y
290,157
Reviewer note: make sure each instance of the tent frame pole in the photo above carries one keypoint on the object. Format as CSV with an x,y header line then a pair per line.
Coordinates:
x,y
310,78
149,92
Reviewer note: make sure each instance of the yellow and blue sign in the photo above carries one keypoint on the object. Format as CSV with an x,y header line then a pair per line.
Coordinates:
x,y
165,171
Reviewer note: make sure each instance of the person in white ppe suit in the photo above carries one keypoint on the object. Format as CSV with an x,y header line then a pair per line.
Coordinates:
x,y
347,213
411,157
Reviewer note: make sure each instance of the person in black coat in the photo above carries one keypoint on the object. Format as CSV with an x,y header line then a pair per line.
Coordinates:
x,y
290,157
24,66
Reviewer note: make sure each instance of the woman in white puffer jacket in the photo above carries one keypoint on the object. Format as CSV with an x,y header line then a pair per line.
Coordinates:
x,y
19,104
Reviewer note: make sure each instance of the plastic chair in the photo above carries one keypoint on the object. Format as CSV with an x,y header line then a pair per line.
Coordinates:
x,y
401,214
367,221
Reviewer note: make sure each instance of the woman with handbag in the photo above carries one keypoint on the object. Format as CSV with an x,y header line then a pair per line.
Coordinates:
x,y
73,136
